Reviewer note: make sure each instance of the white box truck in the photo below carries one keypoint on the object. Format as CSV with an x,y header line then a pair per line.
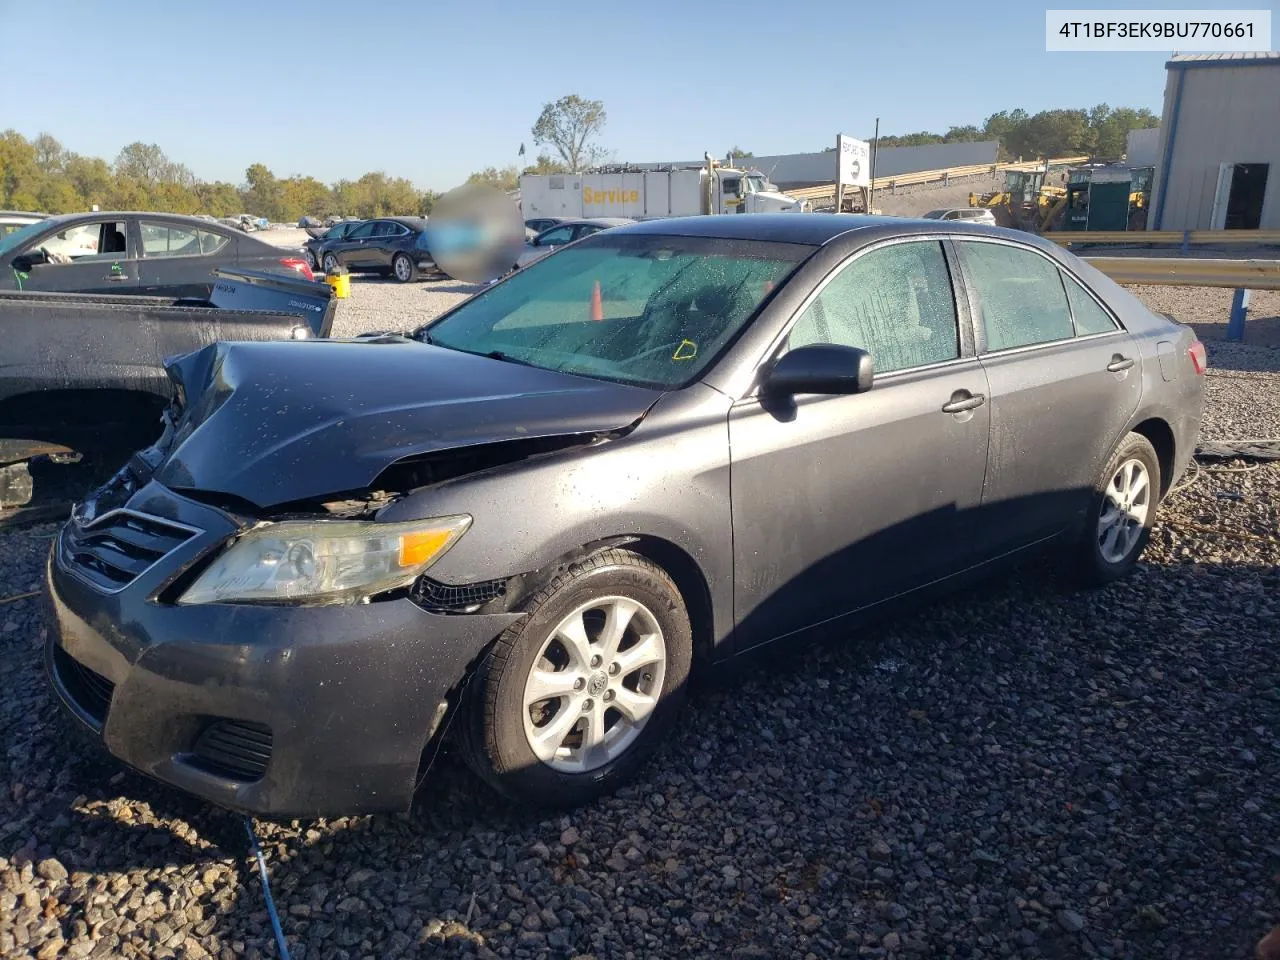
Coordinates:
x,y
648,194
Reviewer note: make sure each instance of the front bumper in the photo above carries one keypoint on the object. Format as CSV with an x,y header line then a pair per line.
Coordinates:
x,y
349,696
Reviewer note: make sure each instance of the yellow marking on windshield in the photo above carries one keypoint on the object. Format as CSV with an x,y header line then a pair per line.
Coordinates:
x,y
686,351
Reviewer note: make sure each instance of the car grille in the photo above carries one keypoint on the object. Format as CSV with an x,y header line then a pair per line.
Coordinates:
x,y
113,550
234,748
91,692
445,597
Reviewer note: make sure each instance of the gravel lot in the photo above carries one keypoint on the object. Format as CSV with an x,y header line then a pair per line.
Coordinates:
x,y
1022,771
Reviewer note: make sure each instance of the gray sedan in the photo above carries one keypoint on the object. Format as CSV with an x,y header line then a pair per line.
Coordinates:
x,y
563,233
668,445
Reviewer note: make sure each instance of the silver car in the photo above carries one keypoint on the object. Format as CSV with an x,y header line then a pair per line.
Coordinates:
x,y
562,233
964,214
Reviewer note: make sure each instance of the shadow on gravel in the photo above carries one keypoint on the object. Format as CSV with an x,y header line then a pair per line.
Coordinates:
x,y
1055,770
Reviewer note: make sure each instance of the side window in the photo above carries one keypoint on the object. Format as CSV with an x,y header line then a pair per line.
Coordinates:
x,y
85,241
730,185
1090,318
1020,293
555,237
386,229
212,242
586,230
361,232
168,240
895,302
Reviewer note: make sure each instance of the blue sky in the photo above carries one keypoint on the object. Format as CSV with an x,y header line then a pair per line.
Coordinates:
x,y
431,91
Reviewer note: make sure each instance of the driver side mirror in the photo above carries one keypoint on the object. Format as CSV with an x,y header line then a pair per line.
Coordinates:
x,y
822,368
24,262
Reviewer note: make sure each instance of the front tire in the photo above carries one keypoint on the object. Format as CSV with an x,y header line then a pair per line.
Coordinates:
x,y
1122,510
330,263
570,702
403,268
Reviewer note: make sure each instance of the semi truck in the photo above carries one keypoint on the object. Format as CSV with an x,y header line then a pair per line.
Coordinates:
x,y
651,194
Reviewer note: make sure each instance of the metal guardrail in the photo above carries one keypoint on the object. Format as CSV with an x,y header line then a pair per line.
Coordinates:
x,y
1182,272
827,191
1184,237
1244,275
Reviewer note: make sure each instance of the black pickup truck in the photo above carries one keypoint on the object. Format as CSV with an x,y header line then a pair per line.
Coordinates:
x,y
83,375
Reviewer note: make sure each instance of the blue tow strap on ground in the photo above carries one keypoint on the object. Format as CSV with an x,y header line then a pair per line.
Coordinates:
x,y
266,890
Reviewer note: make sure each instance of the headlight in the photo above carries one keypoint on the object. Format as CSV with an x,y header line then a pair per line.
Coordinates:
x,y
324,562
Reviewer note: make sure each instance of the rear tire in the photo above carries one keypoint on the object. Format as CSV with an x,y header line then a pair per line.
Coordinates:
x,y
593,702
1121,512
403,268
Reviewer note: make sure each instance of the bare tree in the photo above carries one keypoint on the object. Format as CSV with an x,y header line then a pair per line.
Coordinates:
x,y
569,125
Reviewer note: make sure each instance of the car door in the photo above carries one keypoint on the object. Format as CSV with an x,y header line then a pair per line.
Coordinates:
x,y
177,258
350,250
1065,379
841,502
97,256
388,239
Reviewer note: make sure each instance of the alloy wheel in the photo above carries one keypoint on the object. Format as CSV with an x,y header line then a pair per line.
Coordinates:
x,y
1124,511
594,684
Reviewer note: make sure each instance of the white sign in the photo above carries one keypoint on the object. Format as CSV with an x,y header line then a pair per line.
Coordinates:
x,y
1186,31
853,162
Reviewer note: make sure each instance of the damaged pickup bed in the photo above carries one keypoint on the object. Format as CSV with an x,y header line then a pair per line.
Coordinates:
x,y
84,374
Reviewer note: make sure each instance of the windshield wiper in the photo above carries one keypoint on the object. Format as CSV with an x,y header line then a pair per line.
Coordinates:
x,y
508,358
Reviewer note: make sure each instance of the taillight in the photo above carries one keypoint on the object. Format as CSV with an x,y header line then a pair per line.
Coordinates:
x,y
297,263
1199,359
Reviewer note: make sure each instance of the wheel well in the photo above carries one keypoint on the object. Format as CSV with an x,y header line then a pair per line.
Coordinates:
x,y
1160,436
688,577
79,417
681,567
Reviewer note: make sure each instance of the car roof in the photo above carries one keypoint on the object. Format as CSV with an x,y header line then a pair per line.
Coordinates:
x,y
413,223
599,221
817,229
108,214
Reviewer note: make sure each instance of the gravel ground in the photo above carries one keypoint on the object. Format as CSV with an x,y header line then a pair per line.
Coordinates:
x,y
1022,771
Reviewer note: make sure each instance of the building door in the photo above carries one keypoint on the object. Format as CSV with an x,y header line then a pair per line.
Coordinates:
x,y
1237,201
1248,188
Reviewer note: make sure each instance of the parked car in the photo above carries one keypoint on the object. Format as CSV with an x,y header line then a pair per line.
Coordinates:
x,y
13,220
317,239
965,214
563,233
536,225
159,254
387,245
676,440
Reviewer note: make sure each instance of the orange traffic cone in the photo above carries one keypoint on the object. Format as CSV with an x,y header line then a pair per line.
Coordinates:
x,y
597,307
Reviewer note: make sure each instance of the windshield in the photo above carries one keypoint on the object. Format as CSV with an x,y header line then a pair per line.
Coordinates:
x,y
18,239
647,310
756,184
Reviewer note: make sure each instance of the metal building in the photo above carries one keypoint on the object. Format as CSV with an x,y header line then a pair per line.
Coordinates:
x,y
1219,154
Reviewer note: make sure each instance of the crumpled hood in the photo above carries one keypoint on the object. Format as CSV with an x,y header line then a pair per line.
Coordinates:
x,y
282,421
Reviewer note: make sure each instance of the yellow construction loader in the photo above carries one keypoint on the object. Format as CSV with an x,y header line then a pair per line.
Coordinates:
x,y
1027,202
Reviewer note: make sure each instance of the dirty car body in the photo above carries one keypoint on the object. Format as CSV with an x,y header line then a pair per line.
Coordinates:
x,y
548,428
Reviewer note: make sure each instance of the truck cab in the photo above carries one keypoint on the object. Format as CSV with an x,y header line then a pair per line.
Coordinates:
x,y
749,191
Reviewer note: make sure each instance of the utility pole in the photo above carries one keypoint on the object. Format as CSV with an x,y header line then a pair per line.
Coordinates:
x,y
871,191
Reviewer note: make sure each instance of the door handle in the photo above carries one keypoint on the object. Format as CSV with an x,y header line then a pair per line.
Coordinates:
x,y
971,402
1119,363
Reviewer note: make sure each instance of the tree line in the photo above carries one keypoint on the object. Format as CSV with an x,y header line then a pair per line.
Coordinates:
x,y
1100,131
40,174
